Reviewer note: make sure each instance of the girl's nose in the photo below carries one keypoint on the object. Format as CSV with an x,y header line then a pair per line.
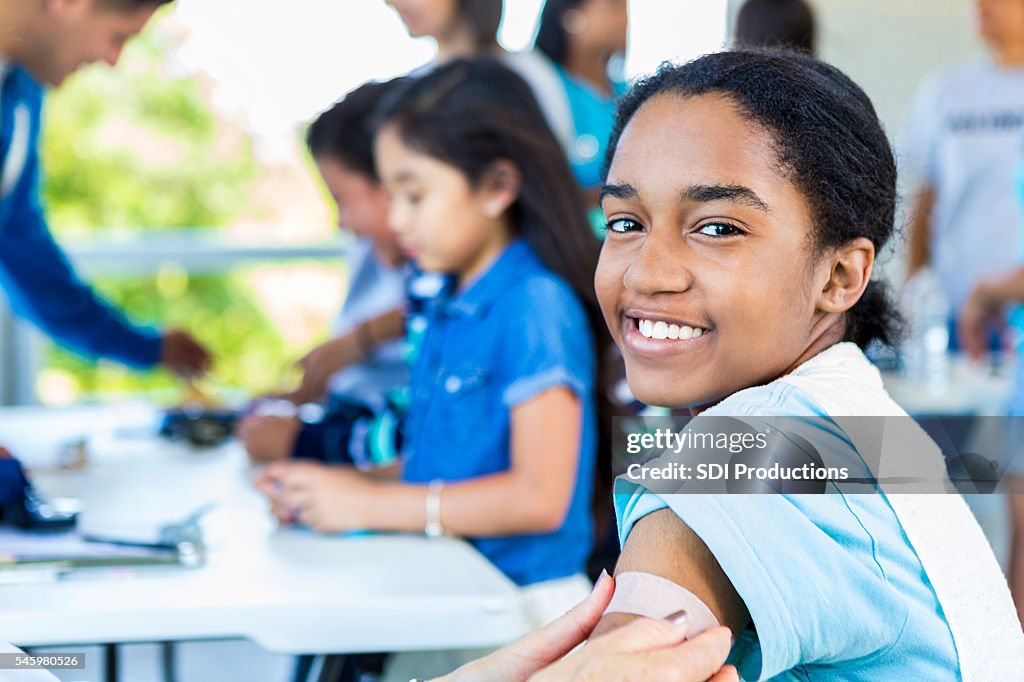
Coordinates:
x,y
397,218
658,267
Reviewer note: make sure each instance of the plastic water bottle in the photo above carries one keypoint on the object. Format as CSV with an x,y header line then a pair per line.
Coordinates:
x,y
926,353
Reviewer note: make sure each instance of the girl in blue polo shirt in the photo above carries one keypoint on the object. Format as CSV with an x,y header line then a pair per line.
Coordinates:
x,y
502,435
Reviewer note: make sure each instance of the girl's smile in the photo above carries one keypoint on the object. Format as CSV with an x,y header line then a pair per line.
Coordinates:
x,y
659,335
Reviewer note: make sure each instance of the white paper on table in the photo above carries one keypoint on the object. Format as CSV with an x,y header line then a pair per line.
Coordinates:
x,y
70,545
39,439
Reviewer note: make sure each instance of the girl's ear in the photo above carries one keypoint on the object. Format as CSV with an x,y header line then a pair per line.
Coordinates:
x,y
851,267
500,187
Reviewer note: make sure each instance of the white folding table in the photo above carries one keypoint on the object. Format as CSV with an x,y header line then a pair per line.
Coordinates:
x,y
289,590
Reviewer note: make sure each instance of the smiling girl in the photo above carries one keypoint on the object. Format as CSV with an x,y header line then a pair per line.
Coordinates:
x,y
746,199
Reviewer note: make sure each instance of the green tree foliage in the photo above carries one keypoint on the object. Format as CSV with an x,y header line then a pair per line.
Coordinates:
x,y
135,148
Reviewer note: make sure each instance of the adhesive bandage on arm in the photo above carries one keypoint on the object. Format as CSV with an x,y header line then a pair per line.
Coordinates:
x,y
649,595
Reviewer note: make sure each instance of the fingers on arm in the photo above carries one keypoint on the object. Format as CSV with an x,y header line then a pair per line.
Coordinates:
x,y
697,659
560,637
658,650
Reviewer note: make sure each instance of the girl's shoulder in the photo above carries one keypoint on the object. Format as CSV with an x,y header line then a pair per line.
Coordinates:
x,y
839,381
535,286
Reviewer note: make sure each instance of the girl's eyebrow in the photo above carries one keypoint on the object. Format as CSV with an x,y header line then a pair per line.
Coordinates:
x,y
403,177
735,193
626,191
697,193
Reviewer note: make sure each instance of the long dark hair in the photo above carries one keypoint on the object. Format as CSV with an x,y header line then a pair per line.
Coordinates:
x,y
470,113
551,38
483,18
828,140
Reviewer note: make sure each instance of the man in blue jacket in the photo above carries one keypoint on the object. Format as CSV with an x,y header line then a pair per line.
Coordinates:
x,y
42,42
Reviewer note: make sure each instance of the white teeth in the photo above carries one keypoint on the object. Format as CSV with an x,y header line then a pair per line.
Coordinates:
x,y
660,330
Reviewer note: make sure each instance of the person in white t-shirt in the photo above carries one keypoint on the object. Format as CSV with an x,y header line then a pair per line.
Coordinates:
x,y
960,149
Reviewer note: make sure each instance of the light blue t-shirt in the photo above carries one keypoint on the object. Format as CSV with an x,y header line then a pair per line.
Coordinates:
x,y
834,589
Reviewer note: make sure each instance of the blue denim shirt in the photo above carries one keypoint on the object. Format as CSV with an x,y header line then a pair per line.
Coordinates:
x,y
514,332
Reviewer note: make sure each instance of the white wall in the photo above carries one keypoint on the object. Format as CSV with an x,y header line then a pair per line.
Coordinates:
x,y
888,46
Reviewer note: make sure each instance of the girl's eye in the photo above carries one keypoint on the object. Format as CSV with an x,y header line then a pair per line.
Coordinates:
x,y
719,230
623,225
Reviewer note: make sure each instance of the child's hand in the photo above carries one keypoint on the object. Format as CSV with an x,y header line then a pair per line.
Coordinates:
x,y
268,438
319,364
329,499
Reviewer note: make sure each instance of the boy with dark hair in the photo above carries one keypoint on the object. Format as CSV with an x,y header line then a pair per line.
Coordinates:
x,y
364,361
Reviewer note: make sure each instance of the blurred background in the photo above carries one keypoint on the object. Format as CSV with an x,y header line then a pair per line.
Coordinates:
x,y
179,182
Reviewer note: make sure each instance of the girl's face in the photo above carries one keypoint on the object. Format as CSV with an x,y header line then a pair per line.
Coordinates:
x,y
431,18
441,220
705,278
603,24
362,207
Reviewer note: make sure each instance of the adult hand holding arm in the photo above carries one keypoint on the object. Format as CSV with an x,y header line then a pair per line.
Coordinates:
x,y
645,650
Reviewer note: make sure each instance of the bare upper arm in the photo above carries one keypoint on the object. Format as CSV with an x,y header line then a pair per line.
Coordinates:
x,y
661,544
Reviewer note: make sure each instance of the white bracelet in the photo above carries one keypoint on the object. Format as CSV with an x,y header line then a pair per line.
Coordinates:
x,y
433,527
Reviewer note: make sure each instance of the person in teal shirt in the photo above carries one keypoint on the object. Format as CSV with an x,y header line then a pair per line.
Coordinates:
x,y
584,40
42,43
